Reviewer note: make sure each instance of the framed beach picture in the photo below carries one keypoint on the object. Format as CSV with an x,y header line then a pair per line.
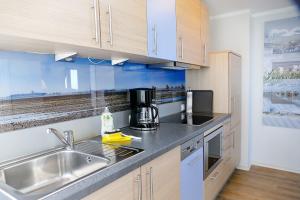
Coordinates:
x,y
281,104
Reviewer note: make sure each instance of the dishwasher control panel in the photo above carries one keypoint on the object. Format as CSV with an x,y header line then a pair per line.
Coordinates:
x,y
190,146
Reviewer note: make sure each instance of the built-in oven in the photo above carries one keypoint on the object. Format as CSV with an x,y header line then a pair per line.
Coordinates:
x,y
213,154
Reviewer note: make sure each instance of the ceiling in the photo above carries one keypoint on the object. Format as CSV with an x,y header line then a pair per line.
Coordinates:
x,y
219,7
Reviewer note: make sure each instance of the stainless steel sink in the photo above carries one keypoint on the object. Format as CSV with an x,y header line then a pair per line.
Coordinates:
x,y
41,175
46,173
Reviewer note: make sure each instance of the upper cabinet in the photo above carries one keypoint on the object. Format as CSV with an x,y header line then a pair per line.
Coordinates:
x,y
162,29
62,21
189,31
178,30
204,33
124,25
118,26
173,30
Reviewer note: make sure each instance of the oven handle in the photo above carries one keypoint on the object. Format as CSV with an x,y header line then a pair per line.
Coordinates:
x,y
214,134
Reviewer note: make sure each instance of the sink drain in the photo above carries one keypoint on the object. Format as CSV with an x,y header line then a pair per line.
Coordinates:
x,y
89,159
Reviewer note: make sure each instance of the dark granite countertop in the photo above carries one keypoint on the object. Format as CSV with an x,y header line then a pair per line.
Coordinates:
x,y
154,143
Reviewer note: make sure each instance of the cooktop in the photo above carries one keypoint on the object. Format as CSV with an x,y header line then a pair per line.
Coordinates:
x,y
194,119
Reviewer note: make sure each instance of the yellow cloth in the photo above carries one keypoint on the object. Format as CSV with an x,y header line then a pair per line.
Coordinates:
x,y
115,137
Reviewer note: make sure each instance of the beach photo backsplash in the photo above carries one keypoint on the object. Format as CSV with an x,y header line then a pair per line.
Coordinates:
x,y
35,90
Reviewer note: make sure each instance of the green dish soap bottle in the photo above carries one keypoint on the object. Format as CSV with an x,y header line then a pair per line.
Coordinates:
x,y
107,121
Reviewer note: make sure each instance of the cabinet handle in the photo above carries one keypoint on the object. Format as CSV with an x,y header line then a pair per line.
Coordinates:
x,y
139,183
215,176
232,105
181,47
95,7
151,184
155,40
110,26
204,51
233,145
227,160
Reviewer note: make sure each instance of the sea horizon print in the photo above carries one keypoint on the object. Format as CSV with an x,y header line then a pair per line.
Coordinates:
x,y
36,90
281,97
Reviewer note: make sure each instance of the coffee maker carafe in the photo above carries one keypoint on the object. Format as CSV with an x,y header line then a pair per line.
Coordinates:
x,y
144,112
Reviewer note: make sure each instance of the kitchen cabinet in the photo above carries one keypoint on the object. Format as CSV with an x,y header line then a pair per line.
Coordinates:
x,y
214,182
117,26
156,180
224,78
62,21
204,33
218,177
162,29
178,30
161,177
124,26
127,187
235,89
236,131
189,42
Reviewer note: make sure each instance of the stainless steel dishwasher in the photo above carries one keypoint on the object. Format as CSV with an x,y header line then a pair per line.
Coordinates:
x,y
191,172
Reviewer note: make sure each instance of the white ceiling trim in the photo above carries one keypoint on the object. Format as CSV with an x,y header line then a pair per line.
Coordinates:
x,y
231,14
276,11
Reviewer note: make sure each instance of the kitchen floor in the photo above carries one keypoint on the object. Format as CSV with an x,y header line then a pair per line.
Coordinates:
x,y
262,184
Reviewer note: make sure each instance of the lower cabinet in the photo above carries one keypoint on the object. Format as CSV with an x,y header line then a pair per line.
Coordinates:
x,y
126,187
156,180
161,177
217,179
236,131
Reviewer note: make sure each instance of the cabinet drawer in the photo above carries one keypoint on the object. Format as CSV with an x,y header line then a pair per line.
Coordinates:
x,y
214,182
217,179
229,166
227,127
228,142
229,152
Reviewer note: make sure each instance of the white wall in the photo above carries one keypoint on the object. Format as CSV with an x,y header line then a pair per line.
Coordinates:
x,y
232,32
271,146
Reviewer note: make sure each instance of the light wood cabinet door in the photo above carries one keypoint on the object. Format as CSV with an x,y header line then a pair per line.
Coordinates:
x,y
237,144
124,26
204,33
127,187
214,182
235,88
188,13
162,29
64,21
161,177
216,78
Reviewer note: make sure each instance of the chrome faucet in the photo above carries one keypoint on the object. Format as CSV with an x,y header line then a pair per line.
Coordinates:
x,y
67,139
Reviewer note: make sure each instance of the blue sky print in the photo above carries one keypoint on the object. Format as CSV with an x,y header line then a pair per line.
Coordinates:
x,y
36,90
28,74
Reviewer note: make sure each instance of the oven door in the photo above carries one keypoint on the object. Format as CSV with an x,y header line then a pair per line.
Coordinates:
x,y
213,154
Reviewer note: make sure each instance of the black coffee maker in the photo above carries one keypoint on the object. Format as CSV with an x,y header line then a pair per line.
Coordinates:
x,y
144,112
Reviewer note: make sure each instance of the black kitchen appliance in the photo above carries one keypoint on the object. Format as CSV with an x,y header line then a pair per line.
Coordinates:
x,y
201,102
144,112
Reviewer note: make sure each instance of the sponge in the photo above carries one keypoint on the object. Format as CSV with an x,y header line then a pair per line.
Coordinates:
x,y
117,136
